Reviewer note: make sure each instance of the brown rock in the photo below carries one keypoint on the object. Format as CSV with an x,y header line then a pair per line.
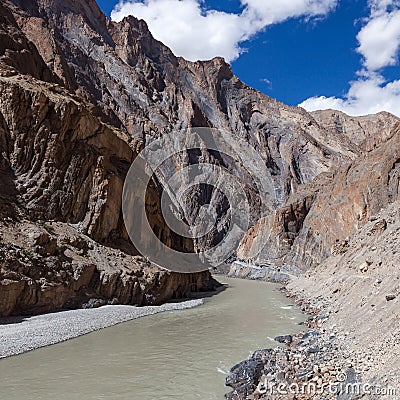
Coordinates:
x,y
81,95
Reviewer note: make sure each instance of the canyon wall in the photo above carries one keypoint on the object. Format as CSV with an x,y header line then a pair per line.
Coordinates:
x,y
137,85
82,96
318,220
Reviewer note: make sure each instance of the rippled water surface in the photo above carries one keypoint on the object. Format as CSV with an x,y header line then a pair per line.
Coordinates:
x,y
178,355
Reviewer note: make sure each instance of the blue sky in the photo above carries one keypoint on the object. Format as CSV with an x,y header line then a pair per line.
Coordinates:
x,y
340,54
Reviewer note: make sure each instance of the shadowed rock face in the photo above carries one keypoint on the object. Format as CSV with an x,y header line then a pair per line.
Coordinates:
x,y
50,267
65,160
134,83
82,95
59,161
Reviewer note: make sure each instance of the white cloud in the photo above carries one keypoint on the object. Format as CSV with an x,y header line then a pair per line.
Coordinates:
x,y
366,96
195,33
273,11
380,40
186,29
379,44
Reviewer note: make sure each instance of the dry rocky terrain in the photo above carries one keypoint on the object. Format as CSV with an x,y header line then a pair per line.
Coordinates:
x,y
349,236
353,335
81,96
52,266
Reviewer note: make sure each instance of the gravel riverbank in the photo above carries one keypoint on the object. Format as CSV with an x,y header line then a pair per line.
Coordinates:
x,y
350,348
309,365
19,335
318,363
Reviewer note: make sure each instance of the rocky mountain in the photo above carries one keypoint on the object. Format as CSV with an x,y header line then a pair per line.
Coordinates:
x,y
60,162
367,132
137,85
319,219
81,96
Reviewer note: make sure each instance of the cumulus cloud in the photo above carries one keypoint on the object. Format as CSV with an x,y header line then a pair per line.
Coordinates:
x,y
380,40
195,33
366,96
379,44
187,29
274,11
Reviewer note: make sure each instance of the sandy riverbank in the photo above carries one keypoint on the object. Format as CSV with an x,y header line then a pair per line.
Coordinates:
x,y
21,334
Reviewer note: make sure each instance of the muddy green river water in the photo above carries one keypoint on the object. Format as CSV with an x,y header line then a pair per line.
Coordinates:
x,y
180,355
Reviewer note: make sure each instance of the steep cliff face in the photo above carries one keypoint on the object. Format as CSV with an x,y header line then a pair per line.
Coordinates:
x,y
139,86
82,95
318,220
60,162
357,192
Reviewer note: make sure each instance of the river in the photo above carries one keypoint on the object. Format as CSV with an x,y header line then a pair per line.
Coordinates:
x,y
180,355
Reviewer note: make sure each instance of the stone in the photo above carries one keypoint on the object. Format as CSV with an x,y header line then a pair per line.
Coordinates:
x,y
287,339
364,267
379,227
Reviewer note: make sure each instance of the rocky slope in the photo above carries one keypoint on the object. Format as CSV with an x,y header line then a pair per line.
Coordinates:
x,y
51,266
353,335
81,96
315,221
360,289
137,85
59,161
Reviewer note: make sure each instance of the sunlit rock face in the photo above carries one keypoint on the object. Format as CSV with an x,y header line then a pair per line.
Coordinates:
x,y
81,96
321,216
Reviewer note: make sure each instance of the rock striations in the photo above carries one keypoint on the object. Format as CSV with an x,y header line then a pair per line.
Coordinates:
x,y
81,96
62,159
310,224
134,84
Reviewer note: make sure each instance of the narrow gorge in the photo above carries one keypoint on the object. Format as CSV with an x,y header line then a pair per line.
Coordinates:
x,y
82,97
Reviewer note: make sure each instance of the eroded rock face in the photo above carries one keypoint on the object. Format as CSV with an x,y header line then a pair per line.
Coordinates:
x,y
272,237
357,192
136,84
69,166
48,267
319,219
59,161
82,95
